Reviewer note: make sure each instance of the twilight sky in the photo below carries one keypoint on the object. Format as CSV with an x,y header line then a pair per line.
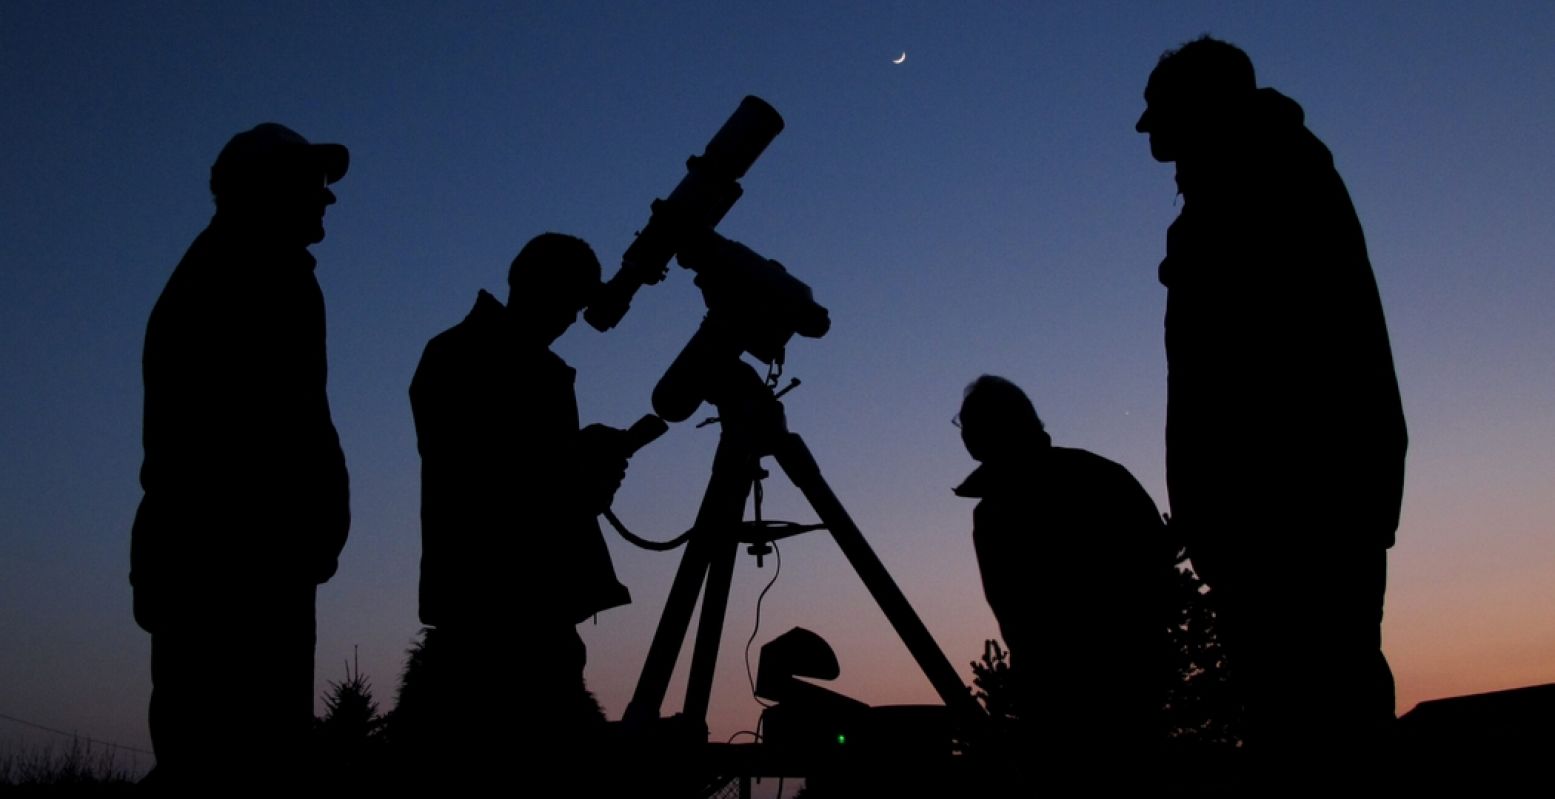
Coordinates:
x,y
983,207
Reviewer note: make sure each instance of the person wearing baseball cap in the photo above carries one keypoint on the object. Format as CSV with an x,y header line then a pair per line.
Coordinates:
x,y
273,178
246,503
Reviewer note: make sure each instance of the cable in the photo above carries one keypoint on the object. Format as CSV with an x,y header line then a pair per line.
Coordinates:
x,y
775,572
656,546
89,740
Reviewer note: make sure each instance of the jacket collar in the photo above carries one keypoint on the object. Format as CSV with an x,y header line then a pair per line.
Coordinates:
x,y
996,478
487,311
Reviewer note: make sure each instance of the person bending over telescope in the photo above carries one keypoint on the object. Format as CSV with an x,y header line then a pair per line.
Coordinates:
x,y
1078,570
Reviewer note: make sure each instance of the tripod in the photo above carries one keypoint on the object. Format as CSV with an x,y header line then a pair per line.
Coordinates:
x,y
754,426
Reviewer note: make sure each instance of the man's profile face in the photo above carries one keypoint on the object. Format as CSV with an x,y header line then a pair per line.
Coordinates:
x,y
974,434
1162,121
302,195
549,307
286,204
559,314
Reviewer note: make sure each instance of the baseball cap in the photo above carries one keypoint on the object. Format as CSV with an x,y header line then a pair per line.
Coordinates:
x,y
270,145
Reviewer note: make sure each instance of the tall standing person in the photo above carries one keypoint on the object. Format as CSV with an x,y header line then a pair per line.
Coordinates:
x,y
246,504
1285,433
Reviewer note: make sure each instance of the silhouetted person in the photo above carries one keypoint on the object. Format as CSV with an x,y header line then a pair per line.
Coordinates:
x,y
246,494
1285,434
512,554
1078,571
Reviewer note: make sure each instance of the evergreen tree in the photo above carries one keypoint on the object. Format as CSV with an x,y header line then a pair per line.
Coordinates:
x,y
412,697
350,733
991,684
1201,710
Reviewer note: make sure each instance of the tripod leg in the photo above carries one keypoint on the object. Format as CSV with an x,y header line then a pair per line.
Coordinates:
x,y
709,553
710,625
797,462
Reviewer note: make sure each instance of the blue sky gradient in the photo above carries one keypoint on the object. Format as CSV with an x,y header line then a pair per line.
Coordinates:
x,y
983,207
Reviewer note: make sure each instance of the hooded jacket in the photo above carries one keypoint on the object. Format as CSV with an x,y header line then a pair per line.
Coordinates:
x,y
1283,408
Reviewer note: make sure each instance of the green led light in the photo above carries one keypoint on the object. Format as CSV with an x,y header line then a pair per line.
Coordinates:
x,y
841,739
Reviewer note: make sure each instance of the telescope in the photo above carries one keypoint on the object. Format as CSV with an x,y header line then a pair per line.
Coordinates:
x,y
754,306
699,202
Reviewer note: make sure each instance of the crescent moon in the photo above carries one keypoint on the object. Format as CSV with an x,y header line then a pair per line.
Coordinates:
x,y
901,58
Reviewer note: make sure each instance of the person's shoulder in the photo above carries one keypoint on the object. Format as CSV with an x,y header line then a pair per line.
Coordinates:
x,y
451,338
480,324
1294,148
1094,468
201,259
454,345
1074,457
194,284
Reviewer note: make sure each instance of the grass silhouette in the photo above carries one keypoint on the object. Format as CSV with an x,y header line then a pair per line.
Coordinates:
x,y
80,765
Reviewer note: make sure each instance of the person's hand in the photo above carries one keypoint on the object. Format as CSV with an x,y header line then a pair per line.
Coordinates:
x,y
602,465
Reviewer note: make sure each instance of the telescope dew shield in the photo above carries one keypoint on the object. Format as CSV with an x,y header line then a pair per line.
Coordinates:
x,y
742,139
701,199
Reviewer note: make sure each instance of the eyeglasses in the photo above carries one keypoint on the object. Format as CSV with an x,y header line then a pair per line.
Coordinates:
x,y
955,421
